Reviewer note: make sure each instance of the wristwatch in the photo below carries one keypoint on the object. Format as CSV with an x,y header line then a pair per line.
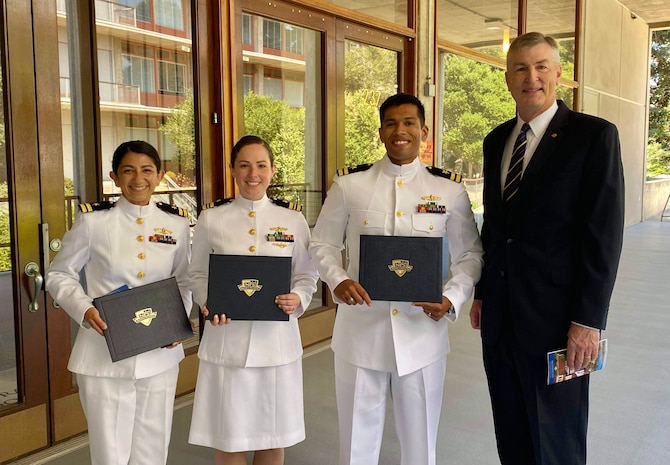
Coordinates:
x,y
451,311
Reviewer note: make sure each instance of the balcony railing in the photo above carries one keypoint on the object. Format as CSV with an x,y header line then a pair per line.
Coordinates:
x,y
109,11
110,92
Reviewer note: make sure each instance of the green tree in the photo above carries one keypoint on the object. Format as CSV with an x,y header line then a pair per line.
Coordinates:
x,y
475,101
658,159
361,129
659,96
283,128
179,128
370,68
370,77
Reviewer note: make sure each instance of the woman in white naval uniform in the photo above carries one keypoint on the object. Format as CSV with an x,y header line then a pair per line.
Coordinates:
x,y
248,395
128,403
393,349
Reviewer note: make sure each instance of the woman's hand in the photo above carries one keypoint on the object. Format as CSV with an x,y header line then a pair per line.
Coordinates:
x,y
216,319
92,317
288,302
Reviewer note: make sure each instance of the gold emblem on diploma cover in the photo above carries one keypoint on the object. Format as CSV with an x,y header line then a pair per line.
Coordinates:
x,y
400,267
145,316
249,286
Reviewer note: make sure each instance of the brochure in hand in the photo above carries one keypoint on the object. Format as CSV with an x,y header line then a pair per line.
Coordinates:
x,y
557,366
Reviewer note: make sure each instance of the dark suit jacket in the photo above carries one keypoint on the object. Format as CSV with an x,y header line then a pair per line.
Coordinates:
x,y
551,254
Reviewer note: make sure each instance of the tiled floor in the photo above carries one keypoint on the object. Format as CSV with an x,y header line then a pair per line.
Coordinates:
x,y
630,407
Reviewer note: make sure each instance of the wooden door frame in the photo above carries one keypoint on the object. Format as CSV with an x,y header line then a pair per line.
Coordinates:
x,y
21,132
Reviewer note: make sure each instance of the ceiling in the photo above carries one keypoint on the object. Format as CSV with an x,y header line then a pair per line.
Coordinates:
x,y
652,12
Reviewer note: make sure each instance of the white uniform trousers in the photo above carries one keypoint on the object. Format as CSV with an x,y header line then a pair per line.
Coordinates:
x,y
129,420
361,407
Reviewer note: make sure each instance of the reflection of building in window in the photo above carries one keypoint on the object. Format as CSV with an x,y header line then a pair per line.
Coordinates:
x,y
144,71
274,60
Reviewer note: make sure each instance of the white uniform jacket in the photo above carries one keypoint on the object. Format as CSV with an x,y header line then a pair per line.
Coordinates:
x,y
241,227
116,246
383,200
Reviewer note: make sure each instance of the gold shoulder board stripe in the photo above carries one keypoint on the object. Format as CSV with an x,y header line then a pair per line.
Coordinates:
x,y
354,169
94,206
217,203
451,175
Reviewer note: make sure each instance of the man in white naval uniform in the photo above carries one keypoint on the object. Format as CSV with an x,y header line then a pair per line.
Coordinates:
x,y
128,403
393,347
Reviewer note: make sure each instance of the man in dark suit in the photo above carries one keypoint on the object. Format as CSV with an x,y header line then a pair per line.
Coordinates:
x,y
552,235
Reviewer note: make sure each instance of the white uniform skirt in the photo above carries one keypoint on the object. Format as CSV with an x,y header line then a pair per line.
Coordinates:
x,y
242,409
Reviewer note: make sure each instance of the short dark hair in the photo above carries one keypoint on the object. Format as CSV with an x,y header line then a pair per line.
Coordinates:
x,y
531,39
136,146
250,140
396,100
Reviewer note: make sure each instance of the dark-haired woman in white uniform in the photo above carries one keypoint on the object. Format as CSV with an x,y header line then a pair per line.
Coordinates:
x,y
248,395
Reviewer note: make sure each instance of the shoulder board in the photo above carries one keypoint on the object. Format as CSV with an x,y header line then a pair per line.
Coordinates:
x,y
290,205
91,207
452,176
354,169
166,207
217,203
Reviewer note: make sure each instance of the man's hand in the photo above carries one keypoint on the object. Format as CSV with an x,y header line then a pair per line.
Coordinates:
x,y
352,293
476,314
583,345
92,317
434,310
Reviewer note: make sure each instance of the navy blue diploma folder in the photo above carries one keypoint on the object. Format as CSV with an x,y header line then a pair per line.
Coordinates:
x,y
143,318
401,268
244,287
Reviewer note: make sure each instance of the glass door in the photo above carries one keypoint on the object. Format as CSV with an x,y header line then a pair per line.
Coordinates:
x,y
32,220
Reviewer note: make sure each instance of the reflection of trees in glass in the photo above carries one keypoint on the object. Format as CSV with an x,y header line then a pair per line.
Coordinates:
x,y
567,52
179,128
361,129
658,151
283,127
475,101
370,76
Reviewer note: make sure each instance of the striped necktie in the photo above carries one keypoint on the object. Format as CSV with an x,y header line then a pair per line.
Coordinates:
x,y
515,170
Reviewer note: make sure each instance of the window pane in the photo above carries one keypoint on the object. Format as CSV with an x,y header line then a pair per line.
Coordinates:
x,y
370,76
272,34
474,100
146,90
556,19
168,13
478,24
8,328
282,95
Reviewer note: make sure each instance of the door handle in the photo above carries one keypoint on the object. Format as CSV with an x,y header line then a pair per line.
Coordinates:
x,y
32,270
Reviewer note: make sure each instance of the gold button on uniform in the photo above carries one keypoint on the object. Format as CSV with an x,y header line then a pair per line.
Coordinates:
x,y
394,312
366,222
140,238
140,274
252,248
252,214
141,256
252,231
398,213
400,183
139,220
431,227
